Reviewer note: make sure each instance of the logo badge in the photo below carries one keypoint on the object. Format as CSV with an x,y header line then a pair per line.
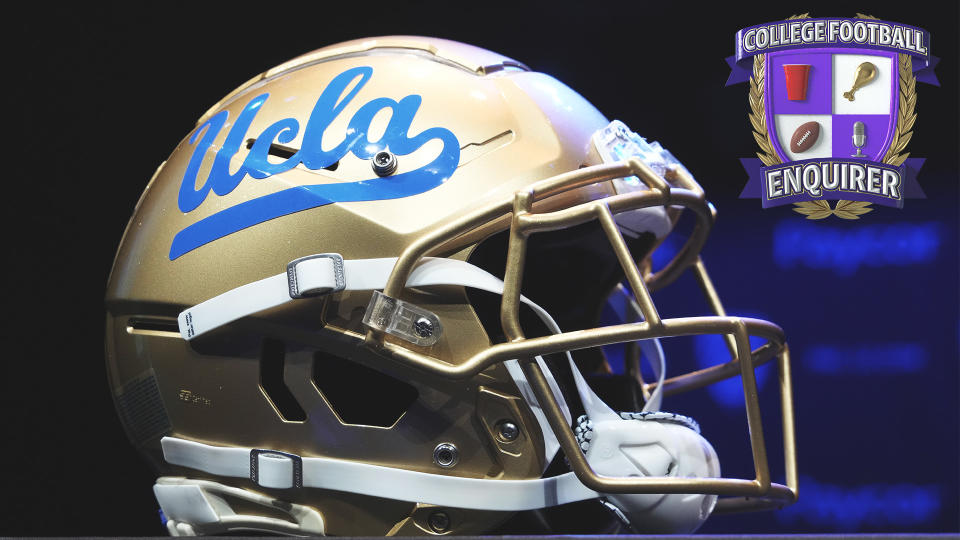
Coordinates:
x,y
832,109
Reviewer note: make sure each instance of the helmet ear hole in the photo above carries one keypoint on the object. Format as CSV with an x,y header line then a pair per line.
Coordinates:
x,y
272,363
382,403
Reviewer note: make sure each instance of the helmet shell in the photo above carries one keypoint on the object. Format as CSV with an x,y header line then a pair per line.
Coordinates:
x,y
477,126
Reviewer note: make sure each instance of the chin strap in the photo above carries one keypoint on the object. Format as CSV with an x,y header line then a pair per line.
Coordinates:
x,y
329,273
665,443
653,352
280,470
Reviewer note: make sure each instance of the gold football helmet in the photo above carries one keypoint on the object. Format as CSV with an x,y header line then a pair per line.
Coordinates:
x,y
361,296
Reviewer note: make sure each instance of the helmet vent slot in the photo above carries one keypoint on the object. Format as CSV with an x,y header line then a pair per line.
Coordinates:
x,y
153,326
287,152
382,403
272,363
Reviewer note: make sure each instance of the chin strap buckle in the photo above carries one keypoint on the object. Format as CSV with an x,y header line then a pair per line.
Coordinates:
x,y
313,277
275,469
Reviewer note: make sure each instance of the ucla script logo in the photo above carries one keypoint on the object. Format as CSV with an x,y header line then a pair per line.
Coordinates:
x,y
329,105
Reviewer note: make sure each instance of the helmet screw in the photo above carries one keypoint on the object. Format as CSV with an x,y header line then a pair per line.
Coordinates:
x,y
423,327
508,431
439,522
384,163
446,455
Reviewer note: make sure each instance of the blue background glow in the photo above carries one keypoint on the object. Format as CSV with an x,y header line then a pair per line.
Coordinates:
x,y
873,334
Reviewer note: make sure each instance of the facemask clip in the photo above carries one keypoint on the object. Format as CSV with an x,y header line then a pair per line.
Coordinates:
x,y
402,319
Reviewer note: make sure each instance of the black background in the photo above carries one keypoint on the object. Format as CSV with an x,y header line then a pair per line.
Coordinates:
x,y
103,93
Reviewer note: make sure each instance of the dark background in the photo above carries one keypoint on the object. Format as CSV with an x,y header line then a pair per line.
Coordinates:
x,y
103,93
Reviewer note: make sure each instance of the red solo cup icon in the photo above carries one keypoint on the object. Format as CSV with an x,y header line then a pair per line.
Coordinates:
x,y
797,75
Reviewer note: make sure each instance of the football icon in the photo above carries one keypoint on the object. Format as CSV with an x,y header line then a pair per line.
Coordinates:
x,y
805,137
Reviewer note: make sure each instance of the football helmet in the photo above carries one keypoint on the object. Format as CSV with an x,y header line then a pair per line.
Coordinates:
x,y
362,297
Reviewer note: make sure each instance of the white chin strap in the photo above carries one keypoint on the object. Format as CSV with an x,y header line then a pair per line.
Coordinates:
x,y
644,445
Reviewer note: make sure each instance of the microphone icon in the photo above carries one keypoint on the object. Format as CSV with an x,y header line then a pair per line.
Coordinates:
x,y
859,138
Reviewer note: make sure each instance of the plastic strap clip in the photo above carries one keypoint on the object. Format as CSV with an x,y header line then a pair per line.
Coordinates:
x,y
402,319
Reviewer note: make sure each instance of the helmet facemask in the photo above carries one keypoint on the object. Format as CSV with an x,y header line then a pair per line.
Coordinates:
x,y
675,191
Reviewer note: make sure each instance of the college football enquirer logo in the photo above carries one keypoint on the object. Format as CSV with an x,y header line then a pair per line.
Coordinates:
x,y
832,107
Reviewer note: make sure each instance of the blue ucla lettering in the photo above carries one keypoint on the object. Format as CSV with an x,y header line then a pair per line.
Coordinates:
x,y
332,101
190,197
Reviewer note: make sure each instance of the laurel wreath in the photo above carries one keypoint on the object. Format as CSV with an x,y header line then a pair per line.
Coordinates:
x,y
895,156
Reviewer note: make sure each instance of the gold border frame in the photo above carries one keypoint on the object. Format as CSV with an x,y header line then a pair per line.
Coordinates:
x,y
744,495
